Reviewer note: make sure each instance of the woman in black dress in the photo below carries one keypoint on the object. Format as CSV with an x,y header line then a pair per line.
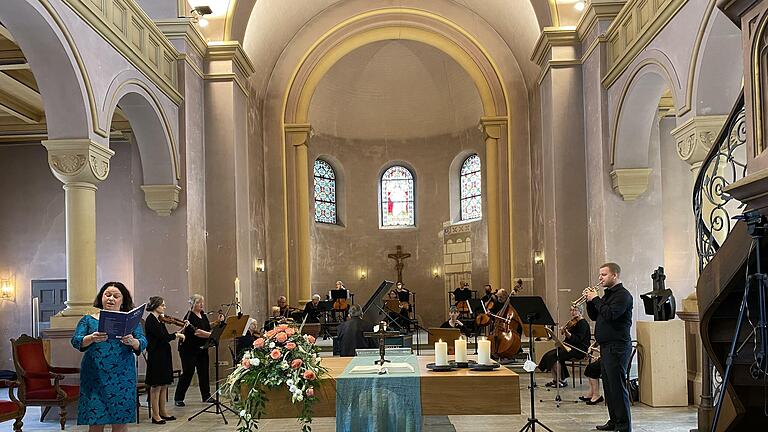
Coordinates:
x,y
194,352
577,336
159,362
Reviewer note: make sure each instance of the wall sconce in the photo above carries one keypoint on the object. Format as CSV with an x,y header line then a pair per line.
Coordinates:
x,y
258,265
436,272
363,274
538,257
7,291
199,13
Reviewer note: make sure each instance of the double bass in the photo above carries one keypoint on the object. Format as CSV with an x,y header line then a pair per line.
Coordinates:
x,y
507,330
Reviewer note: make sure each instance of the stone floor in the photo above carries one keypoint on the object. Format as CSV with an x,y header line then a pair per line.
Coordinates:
x,y
570,417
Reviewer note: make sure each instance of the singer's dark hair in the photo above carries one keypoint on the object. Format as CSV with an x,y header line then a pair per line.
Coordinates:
x,y
127,299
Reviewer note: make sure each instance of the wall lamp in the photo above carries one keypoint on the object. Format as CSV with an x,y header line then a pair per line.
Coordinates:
x,y
538,257
436,272
258,265
362,273
7,290
199,13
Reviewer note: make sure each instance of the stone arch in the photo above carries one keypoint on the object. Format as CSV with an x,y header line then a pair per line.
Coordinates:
x,y
717,83
636,111
58,69
151,128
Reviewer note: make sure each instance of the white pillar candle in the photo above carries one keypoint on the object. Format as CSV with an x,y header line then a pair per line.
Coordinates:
x,y
484,351
441,353
237,290
460,348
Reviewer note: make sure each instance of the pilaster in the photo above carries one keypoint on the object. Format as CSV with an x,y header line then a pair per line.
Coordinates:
x,y
297,135
493,129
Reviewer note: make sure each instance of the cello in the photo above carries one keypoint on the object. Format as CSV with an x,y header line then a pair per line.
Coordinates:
x,y
507,330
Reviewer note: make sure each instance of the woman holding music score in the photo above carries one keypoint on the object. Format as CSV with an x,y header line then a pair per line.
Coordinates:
x,y
108,367
193,351
577,335
159,363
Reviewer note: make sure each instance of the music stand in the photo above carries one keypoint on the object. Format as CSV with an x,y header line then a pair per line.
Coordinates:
x,y
532,310
326,308
232,327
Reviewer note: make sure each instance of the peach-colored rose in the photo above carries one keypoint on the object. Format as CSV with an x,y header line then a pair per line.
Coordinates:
x,y
290,345
290,331
309,375
311,339
275,354
258,343
281,337
246,363
282,326
310,392
296,363
270,334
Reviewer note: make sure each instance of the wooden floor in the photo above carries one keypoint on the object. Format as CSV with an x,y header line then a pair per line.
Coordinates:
x,y
570,417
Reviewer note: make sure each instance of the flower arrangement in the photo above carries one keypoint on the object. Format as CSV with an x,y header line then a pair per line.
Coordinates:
x,y
282,357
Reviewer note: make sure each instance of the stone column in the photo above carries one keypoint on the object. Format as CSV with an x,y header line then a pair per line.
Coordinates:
x,y
297,135
81,165
493,130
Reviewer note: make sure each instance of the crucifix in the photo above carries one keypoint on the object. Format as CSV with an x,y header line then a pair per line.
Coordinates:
x,y
399,257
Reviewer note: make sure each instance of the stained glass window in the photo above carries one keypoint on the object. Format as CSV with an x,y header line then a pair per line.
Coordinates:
x,y
397,197
471,188
325,192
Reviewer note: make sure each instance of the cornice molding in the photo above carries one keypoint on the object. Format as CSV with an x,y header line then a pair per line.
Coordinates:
x,y
551,37
630,183
633,29
185,29
298,134
596,11
230,51
125,26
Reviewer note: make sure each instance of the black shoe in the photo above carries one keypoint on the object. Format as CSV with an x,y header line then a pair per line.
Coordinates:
x,y
595,402
609,426
168,418
585,399
180,403
158,421
209,399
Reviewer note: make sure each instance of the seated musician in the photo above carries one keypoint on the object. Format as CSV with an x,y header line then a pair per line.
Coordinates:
x,y
577,336
488,294
282,304
404,295
350,333
592,372
341,305
312,310
274,319
245,342
463,292
453,321
501,298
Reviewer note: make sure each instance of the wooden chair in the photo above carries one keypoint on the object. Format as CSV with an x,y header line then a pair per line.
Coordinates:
x,y
12,409
35,375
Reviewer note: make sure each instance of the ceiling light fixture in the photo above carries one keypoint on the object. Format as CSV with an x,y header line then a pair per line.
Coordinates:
x,y
199,13
579,5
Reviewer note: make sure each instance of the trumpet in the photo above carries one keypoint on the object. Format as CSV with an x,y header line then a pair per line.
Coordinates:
x,y
583,299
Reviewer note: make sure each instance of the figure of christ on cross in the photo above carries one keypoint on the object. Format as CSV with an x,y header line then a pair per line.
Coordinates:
x,y
399,257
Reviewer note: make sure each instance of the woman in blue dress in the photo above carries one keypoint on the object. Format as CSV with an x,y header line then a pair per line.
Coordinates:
x,y
108,368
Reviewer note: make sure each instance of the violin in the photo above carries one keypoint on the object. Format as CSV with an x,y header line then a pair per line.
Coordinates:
x,y
165,319
570,325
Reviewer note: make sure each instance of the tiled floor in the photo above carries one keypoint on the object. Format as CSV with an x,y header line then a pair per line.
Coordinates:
x,y
570,417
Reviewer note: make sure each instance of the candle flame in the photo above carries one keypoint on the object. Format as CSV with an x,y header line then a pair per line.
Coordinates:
x,y
439,341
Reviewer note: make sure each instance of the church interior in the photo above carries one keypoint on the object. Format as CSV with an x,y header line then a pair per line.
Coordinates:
x,y
244,156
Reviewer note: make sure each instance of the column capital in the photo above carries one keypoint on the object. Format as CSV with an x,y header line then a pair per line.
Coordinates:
x,y
630,183
78,160
492,126
695,137
298,134
163,199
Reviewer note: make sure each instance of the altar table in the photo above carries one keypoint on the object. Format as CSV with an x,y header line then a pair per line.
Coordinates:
x,y
459,392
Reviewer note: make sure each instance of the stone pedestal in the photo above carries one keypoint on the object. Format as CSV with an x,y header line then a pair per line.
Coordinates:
x,y
693,348
662,363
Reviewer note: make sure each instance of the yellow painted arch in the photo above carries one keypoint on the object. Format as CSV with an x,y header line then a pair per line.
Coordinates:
x,y
398,32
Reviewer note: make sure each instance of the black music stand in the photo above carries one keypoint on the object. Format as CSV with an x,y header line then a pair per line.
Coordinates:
x,y
532,310
233,327
326,309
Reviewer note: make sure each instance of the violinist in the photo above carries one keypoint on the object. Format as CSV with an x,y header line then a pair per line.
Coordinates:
x,y
577,336
159,363
312,310
194,352
282,303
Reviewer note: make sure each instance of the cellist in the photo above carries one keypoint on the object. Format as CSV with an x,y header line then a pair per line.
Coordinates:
x,y
507,329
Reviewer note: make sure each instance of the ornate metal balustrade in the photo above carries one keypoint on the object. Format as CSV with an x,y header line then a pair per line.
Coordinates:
x,y
725,163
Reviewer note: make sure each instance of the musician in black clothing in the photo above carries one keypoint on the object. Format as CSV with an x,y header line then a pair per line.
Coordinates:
x,y
501,298
488,294
245,342
350,333
612,314
577,336
273,319
312,310
463,292
453,321
159,362
193,352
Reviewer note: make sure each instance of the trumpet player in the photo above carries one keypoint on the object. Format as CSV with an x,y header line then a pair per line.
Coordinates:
x,y
612,314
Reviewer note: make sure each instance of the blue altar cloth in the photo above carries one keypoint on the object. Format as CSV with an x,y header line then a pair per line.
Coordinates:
x,y
368,403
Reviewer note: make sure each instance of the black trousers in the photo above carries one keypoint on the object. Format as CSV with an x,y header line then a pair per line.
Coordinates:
x,y
614,360
191,360
549,359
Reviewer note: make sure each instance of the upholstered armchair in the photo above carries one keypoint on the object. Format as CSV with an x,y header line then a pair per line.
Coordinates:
x,y
35,375
12,409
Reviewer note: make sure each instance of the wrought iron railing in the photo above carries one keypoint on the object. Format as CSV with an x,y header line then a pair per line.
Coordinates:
x,y
725,163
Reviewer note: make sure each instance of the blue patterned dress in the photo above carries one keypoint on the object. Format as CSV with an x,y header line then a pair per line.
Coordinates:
x,y
107,377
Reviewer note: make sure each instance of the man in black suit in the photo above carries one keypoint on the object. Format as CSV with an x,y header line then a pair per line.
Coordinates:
x,y
350,333
612,314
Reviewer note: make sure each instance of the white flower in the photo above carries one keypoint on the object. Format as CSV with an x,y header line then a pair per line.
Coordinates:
x,y
271,345
299,398
255,361
284,365
289,382
242,413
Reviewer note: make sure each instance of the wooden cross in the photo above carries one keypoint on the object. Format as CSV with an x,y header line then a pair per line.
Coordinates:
x,y
399,257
